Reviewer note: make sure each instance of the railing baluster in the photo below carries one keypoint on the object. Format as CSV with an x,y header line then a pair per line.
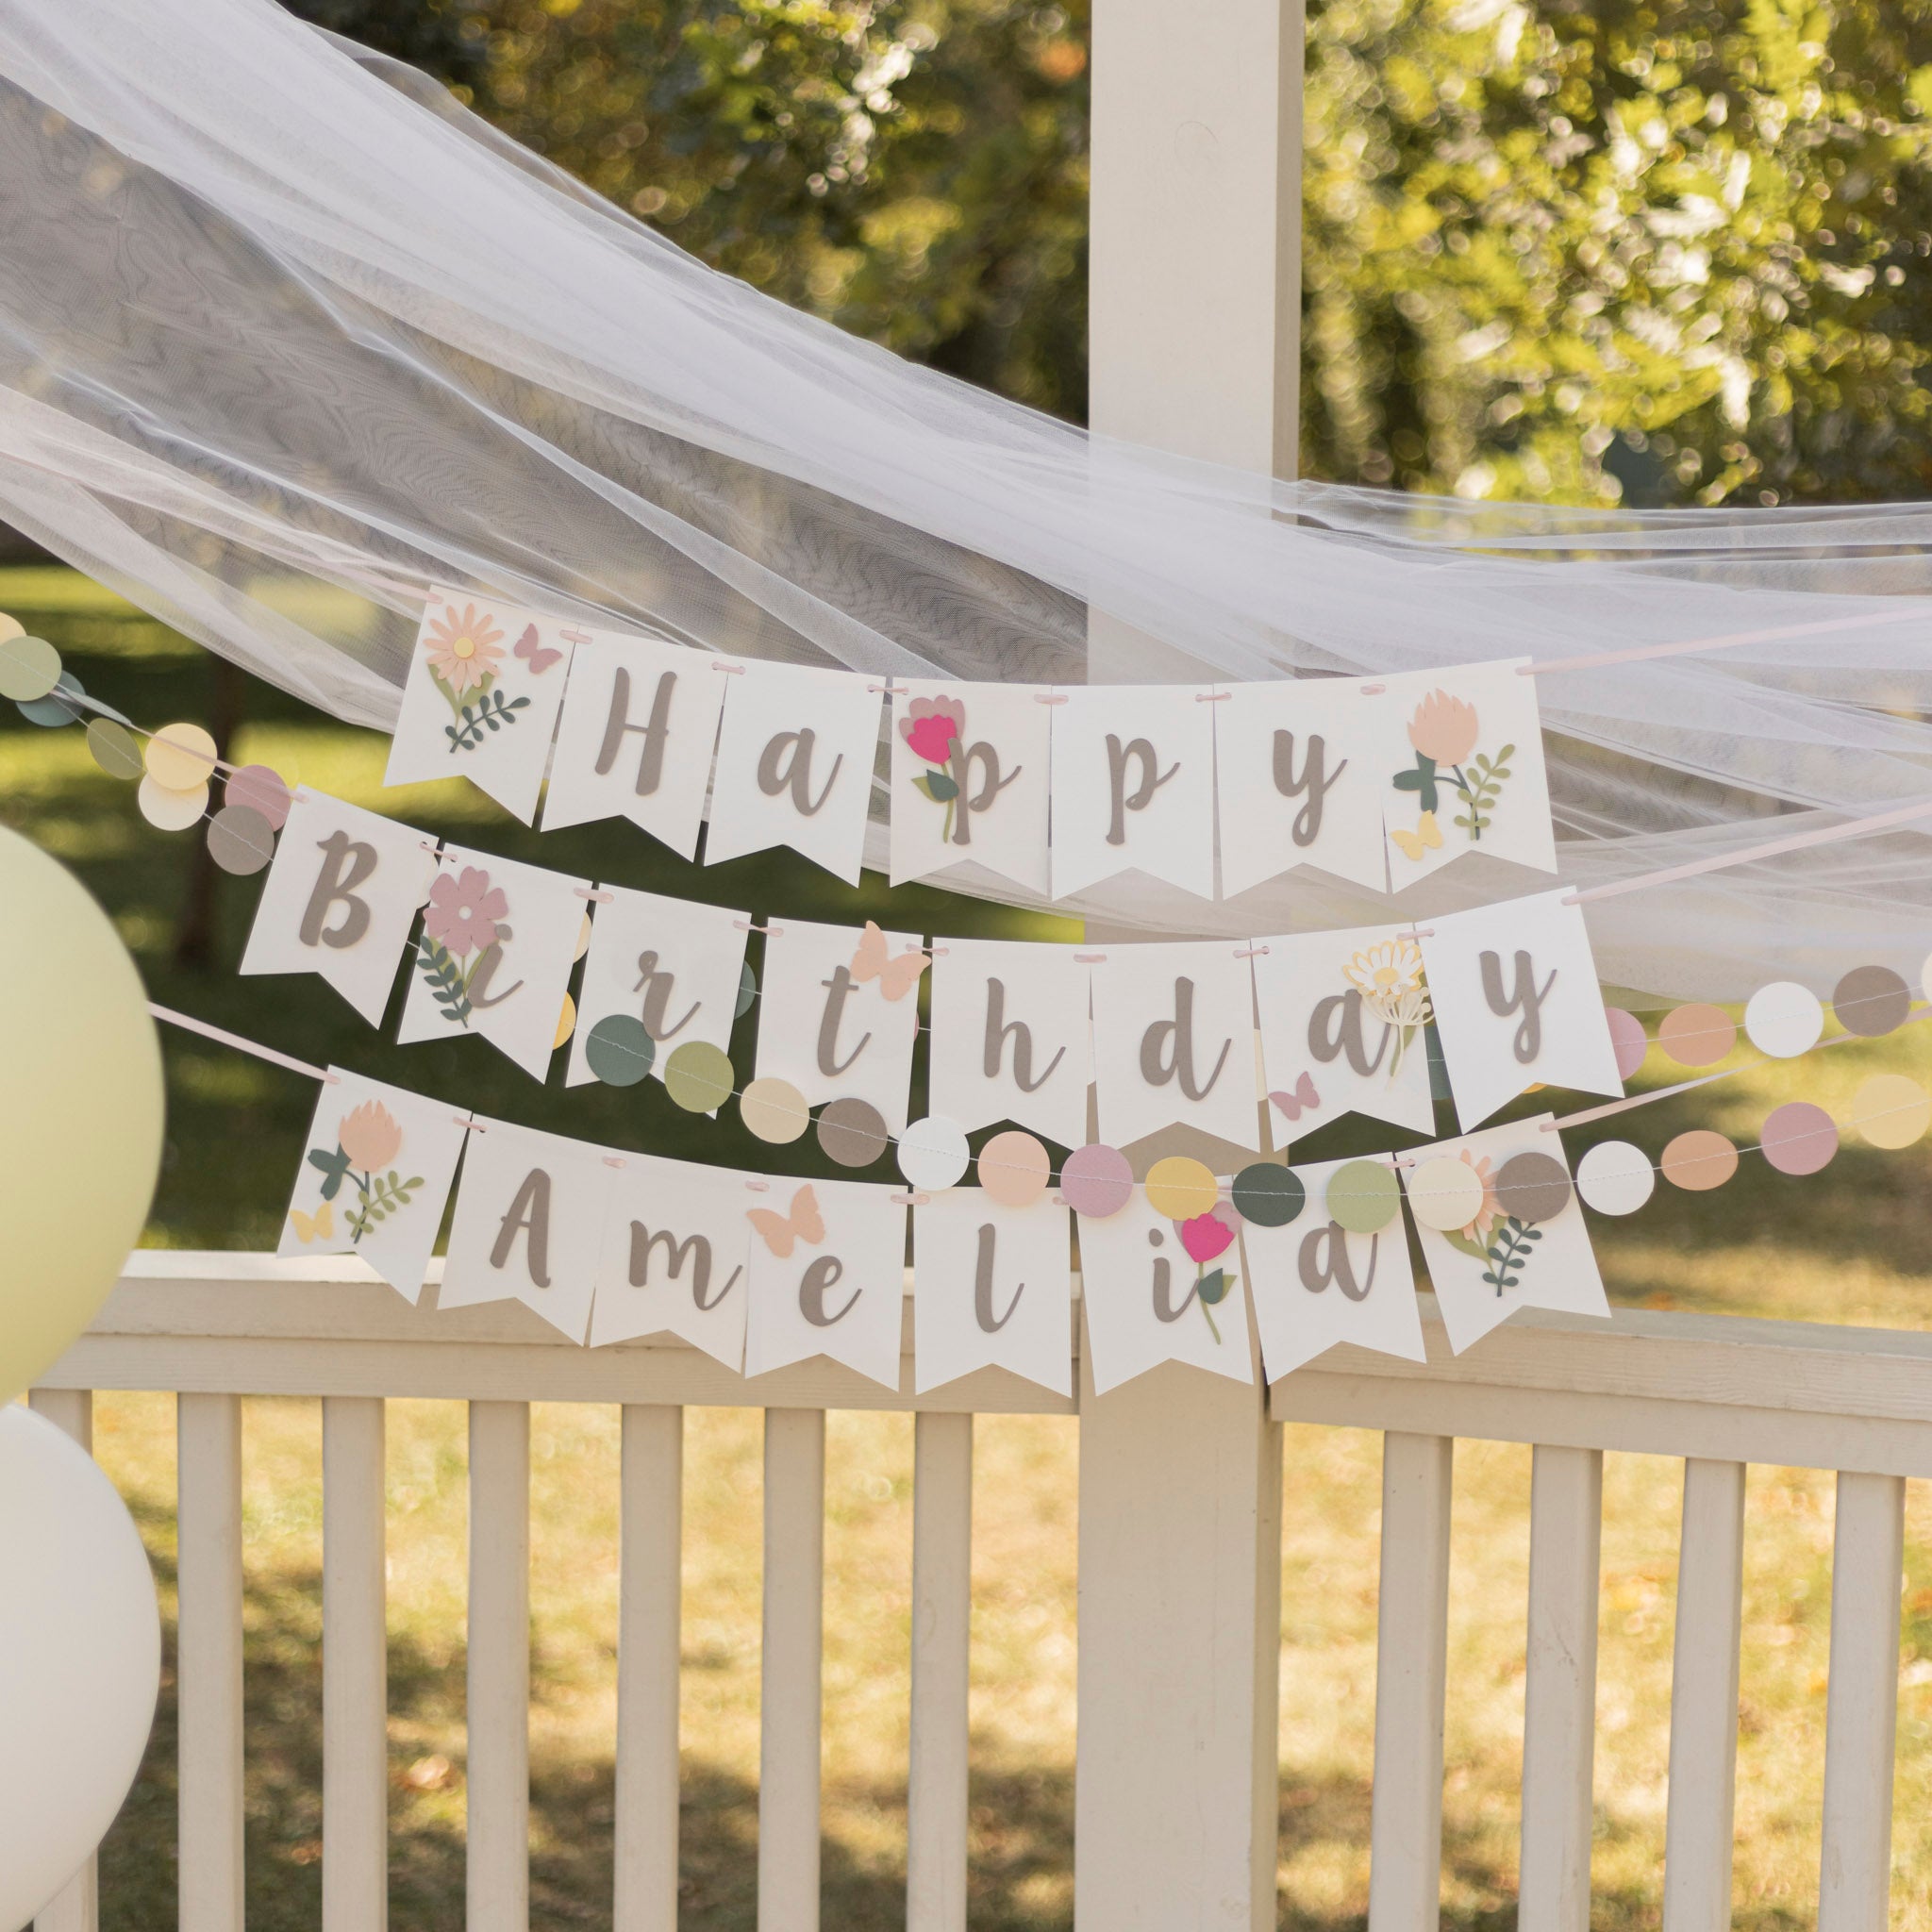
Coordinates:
x,y
941,1618
1861,1708
648,1669
498,1823
208,1661
76,1907
1411,1680
1559,1718
794,1631
355,1668
1704,1699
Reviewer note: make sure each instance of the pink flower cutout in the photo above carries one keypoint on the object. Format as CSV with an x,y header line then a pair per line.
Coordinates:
x,y
463,910
1205,1237
930,725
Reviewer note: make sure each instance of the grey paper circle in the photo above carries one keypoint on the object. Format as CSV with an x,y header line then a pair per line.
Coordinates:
x,y
239,840
748,989
619,1050
1871,1001
852,1132
1533,1186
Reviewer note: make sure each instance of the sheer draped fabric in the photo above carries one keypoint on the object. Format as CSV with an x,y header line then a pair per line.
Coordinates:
x,y
286,336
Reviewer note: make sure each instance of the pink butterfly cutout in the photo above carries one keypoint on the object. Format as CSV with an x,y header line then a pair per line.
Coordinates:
x,y
896,977
540,657
801,1221
1303,1098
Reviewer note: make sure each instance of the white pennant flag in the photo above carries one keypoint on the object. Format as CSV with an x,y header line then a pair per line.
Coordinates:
x,y
376,1178
1299,779
1012,1038
495,956
671,963
970,765
827,1278
676,1257
528,1225
1517,1003
839,1014
1133,784
1158,1290
480,701
1343,1028
1316,1283
992,1287
1525,1245
639,723
795,760
1174,1041
341,897
1464,757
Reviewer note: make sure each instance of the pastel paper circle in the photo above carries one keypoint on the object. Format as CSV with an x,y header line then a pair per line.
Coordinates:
x,y
1268,1193
1699,1160
1799,1138
1891,1110
852,1132
180,756
1364,1196
1784,1019
1445,1193
1697,1035
775,1110
239,840
748,989
1533,1186
1180,1187
1615,1178
619,1050
11,627
1871,1001
1014,1168
168,811
262,789
114,748
29,669
583,937
1629,1042
933,1153
566,1022
698,1076
54,710
1096,1181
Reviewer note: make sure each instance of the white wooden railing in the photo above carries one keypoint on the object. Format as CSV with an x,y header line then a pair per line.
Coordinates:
x,y
1716,1391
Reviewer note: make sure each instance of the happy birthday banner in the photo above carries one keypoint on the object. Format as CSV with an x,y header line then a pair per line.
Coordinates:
x,y
1378,781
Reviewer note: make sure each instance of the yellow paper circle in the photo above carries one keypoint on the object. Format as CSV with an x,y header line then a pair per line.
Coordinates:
x,y
1445,1193
775,1110
10,627
80,1109
1181,1188
168,811
1891,1110
180,756
566,1022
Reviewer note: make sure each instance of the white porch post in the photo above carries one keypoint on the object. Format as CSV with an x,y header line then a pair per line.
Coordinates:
x,y
1195,294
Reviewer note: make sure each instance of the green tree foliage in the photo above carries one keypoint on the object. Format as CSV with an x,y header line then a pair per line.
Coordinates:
x,y
1581,249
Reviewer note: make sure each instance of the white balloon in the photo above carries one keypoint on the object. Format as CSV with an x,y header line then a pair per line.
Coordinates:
x,y
80,1659
933,1153
1615,1178
1784,1019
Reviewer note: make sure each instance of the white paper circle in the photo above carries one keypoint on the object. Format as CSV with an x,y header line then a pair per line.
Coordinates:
x,y
172,812
1615,1178
1784,1019
1445,1193
933,1152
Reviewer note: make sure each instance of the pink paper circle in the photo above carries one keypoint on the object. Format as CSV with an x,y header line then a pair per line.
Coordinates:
x,y
1799,1138
1097,1181
1627,1041
261,788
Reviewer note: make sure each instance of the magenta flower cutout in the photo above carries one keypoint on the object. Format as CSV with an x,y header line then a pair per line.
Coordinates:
x,y
463,911
931,726
1205,1237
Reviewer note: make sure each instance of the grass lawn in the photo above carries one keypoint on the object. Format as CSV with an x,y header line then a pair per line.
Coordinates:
x,y
1849,1245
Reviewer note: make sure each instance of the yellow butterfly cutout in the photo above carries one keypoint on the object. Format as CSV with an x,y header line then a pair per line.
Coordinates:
x,y
1428,836
319,1226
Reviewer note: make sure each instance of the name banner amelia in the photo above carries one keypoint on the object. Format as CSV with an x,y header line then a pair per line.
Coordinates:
x,y
1255,1042
1214,789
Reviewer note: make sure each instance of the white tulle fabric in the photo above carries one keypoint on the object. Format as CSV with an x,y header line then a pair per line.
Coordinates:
x,y
286,336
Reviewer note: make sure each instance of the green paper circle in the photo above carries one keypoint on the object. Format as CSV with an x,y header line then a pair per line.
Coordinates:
x,y
115,749
1363,1197
1269,1194
619,1050
30,668
51,711
698,1076
748,989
